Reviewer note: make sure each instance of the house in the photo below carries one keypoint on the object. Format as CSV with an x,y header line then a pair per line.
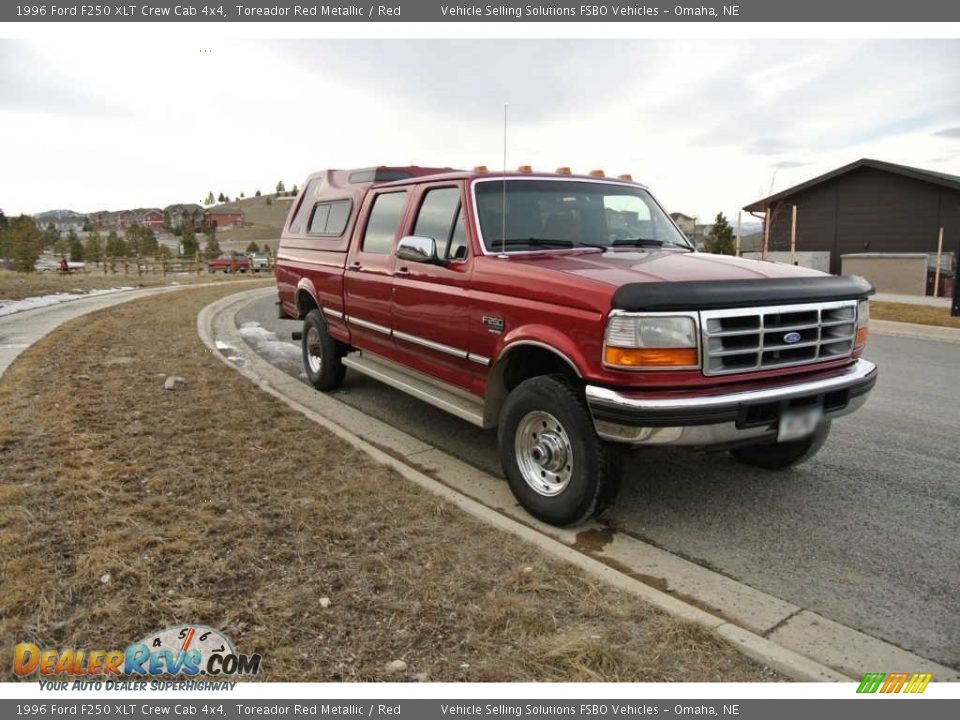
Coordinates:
x,y
224,217
183,215
684,222
867,207
152,218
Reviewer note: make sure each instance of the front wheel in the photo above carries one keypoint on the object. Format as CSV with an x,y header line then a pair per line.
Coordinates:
x,y
777,456
321,353
557,467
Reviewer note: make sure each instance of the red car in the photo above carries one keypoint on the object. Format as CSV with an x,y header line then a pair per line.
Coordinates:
x,y
573,315
229,264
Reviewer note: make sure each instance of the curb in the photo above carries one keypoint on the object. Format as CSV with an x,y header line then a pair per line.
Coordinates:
x,y
751,644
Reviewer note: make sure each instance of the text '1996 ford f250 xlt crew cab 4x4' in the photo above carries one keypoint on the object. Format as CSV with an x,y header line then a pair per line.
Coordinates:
x,y
570,313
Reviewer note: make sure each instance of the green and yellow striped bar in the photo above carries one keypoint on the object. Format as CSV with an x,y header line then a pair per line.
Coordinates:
x,y
894,682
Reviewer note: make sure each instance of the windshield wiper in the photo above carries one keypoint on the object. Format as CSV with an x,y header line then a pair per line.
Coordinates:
x,y
646,242
548,242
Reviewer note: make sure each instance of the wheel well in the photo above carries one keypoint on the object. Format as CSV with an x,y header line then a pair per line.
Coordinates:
x,y
518,364
305,303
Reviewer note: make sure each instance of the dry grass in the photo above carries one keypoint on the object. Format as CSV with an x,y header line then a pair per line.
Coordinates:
x,y
16,286
921,314
217,504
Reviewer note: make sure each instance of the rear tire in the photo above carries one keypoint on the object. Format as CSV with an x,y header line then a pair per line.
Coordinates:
x,y
321,353
557,467
778,456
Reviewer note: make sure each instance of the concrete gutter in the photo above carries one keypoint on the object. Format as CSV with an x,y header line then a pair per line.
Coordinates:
x,y
790,639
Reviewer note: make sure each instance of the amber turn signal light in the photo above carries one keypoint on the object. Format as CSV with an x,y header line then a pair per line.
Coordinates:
x,y
861,338
651,357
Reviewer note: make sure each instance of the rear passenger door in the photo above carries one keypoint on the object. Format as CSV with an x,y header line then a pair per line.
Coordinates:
x,y
430,301
368,280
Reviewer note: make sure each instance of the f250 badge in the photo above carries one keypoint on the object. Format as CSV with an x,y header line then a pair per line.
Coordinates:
x,y
494,324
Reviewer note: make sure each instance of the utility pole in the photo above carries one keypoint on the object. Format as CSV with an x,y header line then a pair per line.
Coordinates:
x,y
793,237
766,235
736,252
936,274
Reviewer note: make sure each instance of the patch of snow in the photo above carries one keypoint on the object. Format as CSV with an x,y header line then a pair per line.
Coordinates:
x,y
221,345
14,306
268,344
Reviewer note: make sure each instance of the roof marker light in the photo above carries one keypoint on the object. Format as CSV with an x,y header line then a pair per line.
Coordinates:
x,y
627,177
598,173
563,170
480,169
525,169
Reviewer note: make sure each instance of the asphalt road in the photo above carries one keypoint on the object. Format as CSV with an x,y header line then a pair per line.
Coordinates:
x,y
866,534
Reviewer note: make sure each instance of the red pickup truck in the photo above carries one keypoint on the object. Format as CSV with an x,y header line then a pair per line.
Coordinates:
x,y
235,262
573,315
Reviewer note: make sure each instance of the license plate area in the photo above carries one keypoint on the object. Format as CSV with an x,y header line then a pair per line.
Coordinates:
x,y
798,422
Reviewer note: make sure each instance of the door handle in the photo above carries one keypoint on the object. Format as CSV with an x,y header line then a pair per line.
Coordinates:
x,y
401,271
355,266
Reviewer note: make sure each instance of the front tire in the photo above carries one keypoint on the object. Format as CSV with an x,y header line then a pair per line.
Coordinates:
x,y
321,353
777,456
557,467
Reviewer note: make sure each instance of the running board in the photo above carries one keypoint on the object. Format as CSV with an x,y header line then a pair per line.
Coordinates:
x,y
417,385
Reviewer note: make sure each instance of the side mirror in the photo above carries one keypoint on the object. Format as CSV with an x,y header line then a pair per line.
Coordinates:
x,y
418,249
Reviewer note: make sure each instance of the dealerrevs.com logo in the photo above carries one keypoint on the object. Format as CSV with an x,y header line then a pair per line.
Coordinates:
x,y
185,650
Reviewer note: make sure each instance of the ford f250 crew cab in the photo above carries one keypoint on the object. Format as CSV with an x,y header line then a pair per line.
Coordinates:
x,y
570,313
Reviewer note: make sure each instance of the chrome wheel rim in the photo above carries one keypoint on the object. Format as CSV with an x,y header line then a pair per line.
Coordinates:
x,y
314,352
544,454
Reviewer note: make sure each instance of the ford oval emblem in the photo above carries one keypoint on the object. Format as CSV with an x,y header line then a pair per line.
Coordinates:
x,y
791,337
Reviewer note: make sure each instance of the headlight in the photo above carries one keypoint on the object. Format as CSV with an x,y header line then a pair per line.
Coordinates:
x,y
652,342
863,322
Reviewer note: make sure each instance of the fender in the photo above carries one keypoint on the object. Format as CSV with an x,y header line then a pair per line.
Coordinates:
x,y
305,285
549,338
541,336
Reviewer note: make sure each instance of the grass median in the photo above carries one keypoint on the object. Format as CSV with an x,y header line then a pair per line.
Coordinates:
x,y
17,285
919,314
126,508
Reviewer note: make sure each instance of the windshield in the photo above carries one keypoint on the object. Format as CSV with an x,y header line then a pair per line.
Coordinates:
x,y
545,214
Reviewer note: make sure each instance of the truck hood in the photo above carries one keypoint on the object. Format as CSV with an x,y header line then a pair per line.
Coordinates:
x,y
621,267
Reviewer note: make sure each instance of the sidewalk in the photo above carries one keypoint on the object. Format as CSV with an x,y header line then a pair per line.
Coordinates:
x,y
912,299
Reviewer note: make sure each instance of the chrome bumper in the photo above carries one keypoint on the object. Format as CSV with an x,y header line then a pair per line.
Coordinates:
x,y
722,419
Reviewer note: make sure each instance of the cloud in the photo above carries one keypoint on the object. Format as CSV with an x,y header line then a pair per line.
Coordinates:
x,y
784,164
953,132
30,84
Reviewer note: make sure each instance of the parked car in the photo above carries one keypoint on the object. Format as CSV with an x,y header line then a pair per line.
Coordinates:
x,y
570,313
229,263
260,261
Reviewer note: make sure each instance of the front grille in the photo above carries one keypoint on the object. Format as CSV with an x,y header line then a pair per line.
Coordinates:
x,y
761,338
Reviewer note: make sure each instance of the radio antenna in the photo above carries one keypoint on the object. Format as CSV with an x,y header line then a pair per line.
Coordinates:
x,y
503,196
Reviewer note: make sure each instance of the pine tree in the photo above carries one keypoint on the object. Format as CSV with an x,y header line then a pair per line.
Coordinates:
x,y
189,243
93,248
257,194
24,243
209,199
76,247
720,240
253,247
280,188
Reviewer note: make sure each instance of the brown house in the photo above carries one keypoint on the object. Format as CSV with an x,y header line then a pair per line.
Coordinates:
x,y
224,217
868,206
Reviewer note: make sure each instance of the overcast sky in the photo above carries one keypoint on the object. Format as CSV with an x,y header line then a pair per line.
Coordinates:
x,y
709,125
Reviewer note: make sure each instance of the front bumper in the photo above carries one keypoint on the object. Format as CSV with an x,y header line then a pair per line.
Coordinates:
x,y
722,418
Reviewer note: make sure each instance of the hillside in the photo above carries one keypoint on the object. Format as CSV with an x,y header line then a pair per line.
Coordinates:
x,y
266,221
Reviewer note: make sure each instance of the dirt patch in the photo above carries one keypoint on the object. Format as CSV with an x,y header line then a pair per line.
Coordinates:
x,y
921,314
17,286
217,504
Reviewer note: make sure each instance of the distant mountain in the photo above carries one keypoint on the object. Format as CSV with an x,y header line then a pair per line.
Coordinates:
x,y
55,215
